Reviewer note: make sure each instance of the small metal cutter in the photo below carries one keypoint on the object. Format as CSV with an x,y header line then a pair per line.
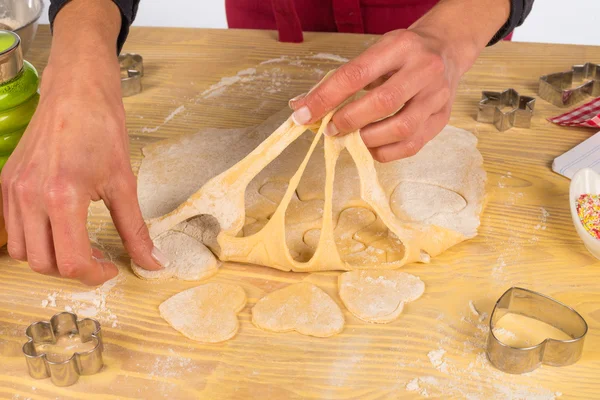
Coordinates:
x,y
67,372
132,71
551,351
556,88
492,104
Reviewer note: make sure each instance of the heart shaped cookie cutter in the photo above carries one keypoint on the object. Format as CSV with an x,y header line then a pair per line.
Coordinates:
x,y
558,353
66,372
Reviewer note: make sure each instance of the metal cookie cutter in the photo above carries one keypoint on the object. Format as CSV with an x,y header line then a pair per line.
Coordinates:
x,y
553,352
556,88
132,71
67,372
492,104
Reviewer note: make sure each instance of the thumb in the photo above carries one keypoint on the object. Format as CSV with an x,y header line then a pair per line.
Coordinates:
x,y
126,214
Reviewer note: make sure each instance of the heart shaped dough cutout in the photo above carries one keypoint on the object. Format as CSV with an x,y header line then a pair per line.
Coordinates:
x,y
378,296
301,307
206,313
190,259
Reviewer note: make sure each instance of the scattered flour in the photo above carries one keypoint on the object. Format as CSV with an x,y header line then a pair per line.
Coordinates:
x,y
167,119
90,304
178,110
543,219
330,57
480,316
437,360
246,75
473,309
170,366
479,379
51,299
275,60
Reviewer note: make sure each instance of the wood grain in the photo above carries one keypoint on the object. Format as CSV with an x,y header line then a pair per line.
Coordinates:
x,y
526,238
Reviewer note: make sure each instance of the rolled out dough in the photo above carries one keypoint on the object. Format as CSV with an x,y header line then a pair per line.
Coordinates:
x,y
378,296
206,313
301,307
291,199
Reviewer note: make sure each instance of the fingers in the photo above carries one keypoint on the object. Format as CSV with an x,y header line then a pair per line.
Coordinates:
x,y
125,210
40,245
407,121
16,246
346,81
68,215
380,102
411,145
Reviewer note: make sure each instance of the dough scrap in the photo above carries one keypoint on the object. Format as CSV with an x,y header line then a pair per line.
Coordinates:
x,y
190,259
206,313
378,296
275,208
301,307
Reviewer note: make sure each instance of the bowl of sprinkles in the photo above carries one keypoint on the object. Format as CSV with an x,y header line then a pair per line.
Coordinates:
x,y
584,196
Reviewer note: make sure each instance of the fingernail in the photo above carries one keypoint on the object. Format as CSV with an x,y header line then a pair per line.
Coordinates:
x,y
160,257
301,116
331,129
295,99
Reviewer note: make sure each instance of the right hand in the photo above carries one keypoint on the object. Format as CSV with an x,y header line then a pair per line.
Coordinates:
x,y
74,151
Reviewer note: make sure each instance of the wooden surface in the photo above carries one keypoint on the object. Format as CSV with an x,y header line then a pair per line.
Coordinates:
x,y
526,238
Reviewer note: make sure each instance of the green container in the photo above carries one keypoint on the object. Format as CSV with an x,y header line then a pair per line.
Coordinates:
x,y
19,95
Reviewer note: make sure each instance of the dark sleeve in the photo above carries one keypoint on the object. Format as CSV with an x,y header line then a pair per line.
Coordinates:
x,y
519,10
128,11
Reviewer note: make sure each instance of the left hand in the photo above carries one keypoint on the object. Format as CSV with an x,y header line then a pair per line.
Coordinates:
x,y
405,70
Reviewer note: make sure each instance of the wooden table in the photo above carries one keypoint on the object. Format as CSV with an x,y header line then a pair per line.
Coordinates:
x,y
526,238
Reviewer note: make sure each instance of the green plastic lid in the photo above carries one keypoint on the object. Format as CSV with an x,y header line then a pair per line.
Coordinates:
x,y
8,40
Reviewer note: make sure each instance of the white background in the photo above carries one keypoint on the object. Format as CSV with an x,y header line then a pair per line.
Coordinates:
x,y
551,21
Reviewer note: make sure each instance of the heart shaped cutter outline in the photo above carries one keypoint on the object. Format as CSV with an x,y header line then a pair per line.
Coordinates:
x,y
558,353
67,372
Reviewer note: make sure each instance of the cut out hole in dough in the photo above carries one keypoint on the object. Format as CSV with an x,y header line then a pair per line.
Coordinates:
x,y
301,307
378,296
206,313
418,201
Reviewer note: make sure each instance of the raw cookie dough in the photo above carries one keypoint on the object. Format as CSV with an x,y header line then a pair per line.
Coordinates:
x,y
297,201
190,259
301,307
378,296
206,313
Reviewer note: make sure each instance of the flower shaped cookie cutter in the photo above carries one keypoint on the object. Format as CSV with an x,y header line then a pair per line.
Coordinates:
x,y
558,353
492,109
63,326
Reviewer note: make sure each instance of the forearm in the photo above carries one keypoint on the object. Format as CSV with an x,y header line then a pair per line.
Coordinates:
x,y
83,55
464,26
127,8
86,31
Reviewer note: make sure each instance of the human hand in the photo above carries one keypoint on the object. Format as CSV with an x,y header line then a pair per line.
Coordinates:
x,y
74,151
411,77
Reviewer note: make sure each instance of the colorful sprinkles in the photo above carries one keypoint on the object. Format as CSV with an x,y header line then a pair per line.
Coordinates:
x,y
588,209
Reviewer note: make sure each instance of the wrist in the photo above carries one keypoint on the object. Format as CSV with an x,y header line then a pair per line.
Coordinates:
x,y
463,27
85,30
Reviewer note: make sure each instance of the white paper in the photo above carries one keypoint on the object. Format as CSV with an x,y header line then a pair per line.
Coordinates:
x,y
584,155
